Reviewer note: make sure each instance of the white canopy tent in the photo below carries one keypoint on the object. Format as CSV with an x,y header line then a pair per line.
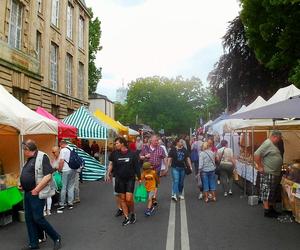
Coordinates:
x,y
18,122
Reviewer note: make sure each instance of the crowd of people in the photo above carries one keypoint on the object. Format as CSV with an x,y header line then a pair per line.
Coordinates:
x,y
146,162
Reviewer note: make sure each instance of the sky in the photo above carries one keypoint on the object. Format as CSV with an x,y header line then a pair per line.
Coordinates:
x,y
142,38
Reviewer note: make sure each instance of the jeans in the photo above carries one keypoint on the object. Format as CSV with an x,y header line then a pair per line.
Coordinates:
x,y
68,184
76,187
35,220
178,175
208,181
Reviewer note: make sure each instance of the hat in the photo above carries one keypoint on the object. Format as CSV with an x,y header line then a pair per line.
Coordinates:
x,y
147,165
30,145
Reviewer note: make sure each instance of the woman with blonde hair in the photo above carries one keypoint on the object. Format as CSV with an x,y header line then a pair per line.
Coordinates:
x,y
207,167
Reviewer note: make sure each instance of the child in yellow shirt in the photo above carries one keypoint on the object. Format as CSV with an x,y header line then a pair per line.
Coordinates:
x,y
151,180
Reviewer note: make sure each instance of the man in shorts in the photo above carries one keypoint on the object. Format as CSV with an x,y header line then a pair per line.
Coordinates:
x,y
269,162
126,170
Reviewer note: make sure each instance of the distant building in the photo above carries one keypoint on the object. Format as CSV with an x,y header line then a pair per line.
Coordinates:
x,y
101,102
44,53
121,95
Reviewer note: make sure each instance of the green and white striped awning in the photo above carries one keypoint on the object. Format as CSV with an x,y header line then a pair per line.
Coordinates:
x,y
87,125
93,170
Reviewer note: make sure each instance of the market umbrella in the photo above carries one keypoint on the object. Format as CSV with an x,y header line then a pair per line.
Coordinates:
x,y
280,110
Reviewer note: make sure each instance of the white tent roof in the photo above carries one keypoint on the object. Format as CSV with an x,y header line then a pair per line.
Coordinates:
x,y
133,132
259,102
15,114
284,94
242,109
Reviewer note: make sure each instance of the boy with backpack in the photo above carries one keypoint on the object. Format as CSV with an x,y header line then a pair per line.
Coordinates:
x,y
151,180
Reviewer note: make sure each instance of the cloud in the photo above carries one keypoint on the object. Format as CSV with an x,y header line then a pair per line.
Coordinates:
x,y
160,37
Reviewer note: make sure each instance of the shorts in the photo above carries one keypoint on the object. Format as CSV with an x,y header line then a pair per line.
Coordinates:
x,y
151,194
114,184
123,186
269,185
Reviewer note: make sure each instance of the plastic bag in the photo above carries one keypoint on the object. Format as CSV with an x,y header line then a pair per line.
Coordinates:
x,y
57,180
140,194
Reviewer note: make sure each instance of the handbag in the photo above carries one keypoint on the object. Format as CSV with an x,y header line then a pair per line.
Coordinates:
x,y
140,194
187,170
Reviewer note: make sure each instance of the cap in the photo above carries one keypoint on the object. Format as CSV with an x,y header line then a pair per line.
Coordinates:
x,y
147,165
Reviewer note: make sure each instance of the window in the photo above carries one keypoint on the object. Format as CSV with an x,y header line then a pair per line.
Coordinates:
x,y
69,21
55,12
54,110
38,45
80,80
53,66
81,33
69,68
39,6
15,25
20,94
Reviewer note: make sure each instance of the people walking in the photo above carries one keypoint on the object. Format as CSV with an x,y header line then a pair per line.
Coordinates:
x,y
68,177
227,165
207,168
151,180
269,161
195,151
178,160
126,169
35,177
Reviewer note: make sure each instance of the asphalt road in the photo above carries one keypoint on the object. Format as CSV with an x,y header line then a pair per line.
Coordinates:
x,y
191,224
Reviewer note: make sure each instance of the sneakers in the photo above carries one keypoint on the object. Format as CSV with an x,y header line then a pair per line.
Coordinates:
x,y
119,212
173,197
230,192
61,208
225,194
126,221
57,244
44,238
70,207
148,212
48,212
181,197
200,197
76,201
132,219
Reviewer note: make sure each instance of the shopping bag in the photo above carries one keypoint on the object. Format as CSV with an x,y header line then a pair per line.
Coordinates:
x,y
140,194
57,180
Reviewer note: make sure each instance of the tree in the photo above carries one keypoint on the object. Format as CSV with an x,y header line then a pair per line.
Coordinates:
x,y
240,71
273,31
94,46
172,104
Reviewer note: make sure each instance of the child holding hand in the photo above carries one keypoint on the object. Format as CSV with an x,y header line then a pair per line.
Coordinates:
x,y
150,178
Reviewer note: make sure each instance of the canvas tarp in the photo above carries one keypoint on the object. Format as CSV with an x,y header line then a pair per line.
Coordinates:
x,y
88,126
64,130
15,114
111,123
92,170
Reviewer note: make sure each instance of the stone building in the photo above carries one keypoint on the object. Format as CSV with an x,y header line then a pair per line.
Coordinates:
x,y
101,102
44,53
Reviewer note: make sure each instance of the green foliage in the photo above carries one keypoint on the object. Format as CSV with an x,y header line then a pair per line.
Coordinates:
x,y
239,69
172,104
94,46
273,31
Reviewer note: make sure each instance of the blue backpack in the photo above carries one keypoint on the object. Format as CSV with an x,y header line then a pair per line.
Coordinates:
x,y
194,155
75,161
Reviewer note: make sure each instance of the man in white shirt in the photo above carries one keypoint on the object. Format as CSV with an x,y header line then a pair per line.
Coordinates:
x,y
68,177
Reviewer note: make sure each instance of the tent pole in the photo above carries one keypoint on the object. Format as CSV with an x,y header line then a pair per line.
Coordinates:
x,y
21,153
252,144
245,177
105,156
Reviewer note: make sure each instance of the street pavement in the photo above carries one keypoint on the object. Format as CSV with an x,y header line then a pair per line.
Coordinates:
x,y
230,223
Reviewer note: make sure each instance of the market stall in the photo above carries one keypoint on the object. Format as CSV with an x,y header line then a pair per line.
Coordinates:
x,y
89,128
17,123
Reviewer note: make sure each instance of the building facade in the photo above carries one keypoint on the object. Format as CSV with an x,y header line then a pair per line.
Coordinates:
x,y
44,53
102,103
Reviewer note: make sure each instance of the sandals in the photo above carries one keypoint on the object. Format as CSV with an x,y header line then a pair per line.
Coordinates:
x,y
206,200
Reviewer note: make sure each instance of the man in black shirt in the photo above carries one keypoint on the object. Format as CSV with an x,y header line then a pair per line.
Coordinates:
x,y
33,205
124,165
